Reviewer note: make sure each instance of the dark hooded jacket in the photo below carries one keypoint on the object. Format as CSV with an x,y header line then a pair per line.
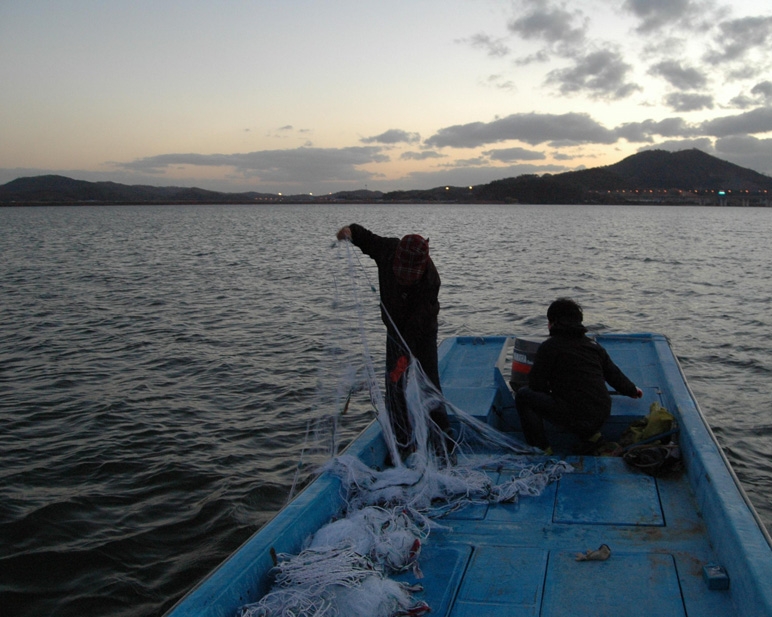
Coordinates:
x,y
412,308
575,369
410,314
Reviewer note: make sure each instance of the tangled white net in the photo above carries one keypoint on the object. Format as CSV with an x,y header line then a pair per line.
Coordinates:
x,y
389,513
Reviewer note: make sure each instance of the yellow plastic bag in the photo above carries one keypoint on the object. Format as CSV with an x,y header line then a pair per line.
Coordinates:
x,y
659,421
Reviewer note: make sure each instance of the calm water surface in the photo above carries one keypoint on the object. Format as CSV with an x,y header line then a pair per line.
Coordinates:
x,y
159,366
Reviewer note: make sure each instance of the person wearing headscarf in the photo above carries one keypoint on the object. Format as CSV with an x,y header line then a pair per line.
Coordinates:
x,y
567,382
409,287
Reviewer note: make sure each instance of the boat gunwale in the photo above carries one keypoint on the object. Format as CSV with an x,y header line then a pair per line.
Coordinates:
x,y
722,454
737,535
257,552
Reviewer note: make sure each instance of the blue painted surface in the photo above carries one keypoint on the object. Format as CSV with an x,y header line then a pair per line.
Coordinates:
x,y
519,559
608,499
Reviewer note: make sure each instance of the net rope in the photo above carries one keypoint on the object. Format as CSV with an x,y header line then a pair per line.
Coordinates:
x,y
389,513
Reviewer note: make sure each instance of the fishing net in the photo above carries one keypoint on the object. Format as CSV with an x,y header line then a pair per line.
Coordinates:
x,y
331,582
390,511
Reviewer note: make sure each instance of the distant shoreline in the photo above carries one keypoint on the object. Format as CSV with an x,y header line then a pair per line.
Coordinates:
x,y
652,177
724,203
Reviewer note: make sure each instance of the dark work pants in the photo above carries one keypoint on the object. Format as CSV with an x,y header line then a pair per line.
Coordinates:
x,y
425,351
535,407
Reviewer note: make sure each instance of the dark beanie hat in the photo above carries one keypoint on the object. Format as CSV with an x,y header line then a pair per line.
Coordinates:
x,y
410,259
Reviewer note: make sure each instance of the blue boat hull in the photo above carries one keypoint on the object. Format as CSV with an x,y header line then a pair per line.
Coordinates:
x,y
687,544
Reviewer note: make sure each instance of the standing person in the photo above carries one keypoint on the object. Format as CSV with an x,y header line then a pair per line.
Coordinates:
x,y
409,285
567,382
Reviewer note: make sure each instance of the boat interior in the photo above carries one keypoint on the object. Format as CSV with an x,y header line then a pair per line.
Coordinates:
x,y
520,559
681,544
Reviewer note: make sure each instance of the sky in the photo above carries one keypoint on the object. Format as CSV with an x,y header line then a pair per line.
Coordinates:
x,y
316,97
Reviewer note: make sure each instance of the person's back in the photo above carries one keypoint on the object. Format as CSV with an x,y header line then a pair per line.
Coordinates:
x,y
567,383
574,369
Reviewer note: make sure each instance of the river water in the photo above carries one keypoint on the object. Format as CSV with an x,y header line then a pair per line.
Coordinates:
x,y
159,366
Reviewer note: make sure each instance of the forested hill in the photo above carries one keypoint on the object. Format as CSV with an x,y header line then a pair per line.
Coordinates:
x,y
658,169
63,190
687,176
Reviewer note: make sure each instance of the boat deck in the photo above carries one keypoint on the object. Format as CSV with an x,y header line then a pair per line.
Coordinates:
x,y
519,559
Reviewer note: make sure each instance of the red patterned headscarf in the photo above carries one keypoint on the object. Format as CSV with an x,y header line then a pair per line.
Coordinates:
x,y
410,259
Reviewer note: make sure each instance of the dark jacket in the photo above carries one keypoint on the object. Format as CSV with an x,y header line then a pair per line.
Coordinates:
x,y
575,369
413,308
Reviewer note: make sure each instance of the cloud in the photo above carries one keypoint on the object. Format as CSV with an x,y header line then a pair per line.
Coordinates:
x,y
392,136
678,76
654,14
532,128
636,132
578,128
563,156
743,101
682,101
760,94
478,161
493,47
758,120
744,145
468,176
738,37
296,166
540,56
674,145
551,24
763,89
500,83
287,131
420,156
747,151
601,74
506,155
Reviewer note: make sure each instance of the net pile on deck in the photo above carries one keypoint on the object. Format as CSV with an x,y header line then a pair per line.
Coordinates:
x,y
389,513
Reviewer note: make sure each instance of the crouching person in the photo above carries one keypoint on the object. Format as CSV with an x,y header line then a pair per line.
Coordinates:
x,y
567,383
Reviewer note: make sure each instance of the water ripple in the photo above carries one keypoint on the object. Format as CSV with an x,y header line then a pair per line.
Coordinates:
x,y
159,367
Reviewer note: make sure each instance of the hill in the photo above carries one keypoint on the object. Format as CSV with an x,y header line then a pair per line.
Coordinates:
x,y
653,176
662,170
687,176
62,190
